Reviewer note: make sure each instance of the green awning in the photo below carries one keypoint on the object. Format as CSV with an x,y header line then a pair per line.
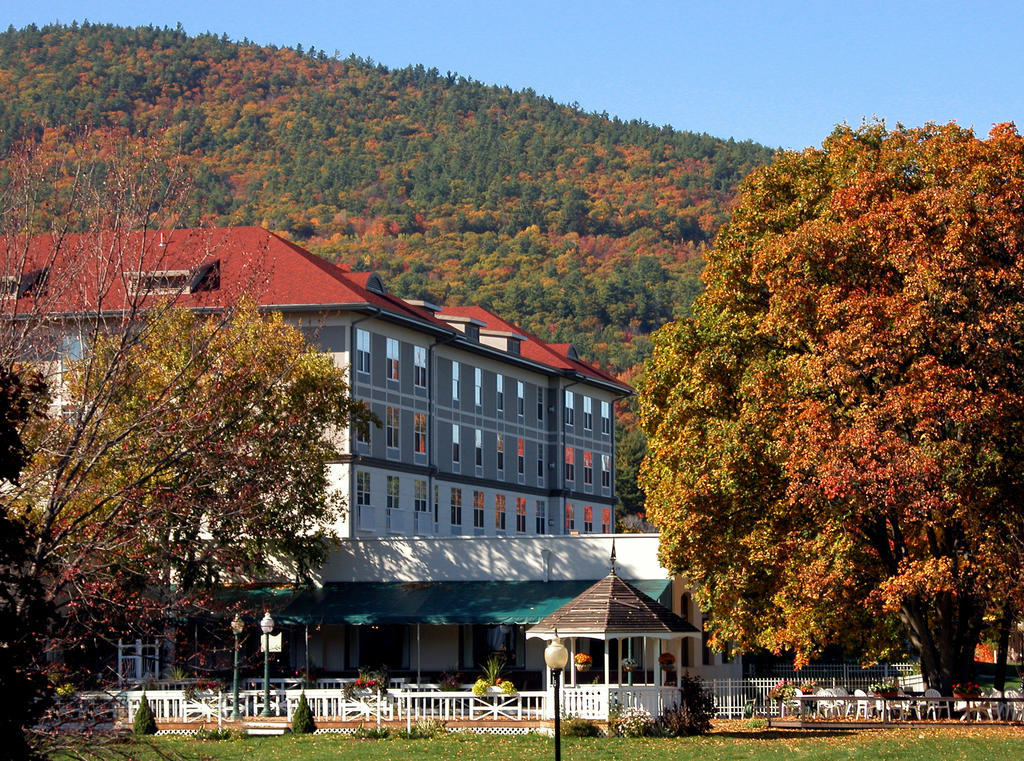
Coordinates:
x,y
441,602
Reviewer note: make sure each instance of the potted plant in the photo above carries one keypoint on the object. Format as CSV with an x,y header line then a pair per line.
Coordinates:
x,y
966,690
885,688
583,661
667,661
782,691
449,682
629,665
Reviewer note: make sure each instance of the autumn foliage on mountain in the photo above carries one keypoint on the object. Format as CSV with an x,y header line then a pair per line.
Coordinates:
x,y
577,226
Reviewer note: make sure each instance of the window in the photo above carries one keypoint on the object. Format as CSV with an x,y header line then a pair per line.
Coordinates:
x,y
588,468
606,520
363,434
540,405
362,350
419,366
570,409
362,489
521,459
419,432
478,387
391,427
419,496
499,512
478,509
540,464
455,382
588,414
479,438
588,519
684,606
500,390
570,517
437,503
606,418
392,363
520,399
456,450
541,509
501,453
570,464
520,515
393,487
456,503
606,471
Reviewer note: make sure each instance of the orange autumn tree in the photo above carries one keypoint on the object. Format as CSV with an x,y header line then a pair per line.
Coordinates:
x,y
836,435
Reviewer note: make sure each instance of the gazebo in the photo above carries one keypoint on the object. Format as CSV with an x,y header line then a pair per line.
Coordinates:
x,y
617,613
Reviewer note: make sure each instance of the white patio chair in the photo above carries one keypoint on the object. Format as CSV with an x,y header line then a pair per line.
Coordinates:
x,y
1014,710
933,709
843,703
994,708
865,708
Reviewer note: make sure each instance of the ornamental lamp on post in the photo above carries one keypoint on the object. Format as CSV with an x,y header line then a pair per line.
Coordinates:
x,y
556,656
267,626
237,627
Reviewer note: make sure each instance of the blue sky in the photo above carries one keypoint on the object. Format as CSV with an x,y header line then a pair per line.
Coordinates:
x,y
782,73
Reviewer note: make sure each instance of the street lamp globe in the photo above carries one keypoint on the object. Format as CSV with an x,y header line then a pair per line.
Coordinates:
x,y
555,655
237,625
267,623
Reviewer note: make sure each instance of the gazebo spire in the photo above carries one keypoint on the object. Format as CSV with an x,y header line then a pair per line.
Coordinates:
x,y
612,559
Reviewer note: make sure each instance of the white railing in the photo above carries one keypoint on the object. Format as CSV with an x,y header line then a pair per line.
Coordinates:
x,y
595,701
331,704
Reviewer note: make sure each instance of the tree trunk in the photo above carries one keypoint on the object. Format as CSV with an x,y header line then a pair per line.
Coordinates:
x,y
1003,648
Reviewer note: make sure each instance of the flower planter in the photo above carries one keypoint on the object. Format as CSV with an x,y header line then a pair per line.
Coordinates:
x,y
886,694
581,667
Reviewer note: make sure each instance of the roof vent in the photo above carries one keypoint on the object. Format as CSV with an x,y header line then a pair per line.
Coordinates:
x,y
375,284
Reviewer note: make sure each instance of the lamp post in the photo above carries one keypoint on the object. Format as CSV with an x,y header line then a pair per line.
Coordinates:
x,y
556,656
267,626
237,626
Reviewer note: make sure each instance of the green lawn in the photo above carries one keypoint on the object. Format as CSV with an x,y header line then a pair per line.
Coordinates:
x,y
725,744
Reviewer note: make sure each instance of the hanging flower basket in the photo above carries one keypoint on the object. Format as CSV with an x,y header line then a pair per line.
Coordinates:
x,y
667,661
583,661
629,665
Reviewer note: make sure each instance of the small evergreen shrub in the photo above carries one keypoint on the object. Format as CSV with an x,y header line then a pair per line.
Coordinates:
x,y
144,723
302,719
576,727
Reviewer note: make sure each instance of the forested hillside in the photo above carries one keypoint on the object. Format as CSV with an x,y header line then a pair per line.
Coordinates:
x,y
577,226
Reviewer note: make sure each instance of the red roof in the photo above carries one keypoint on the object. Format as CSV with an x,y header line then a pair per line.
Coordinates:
x,y
89,272
557,356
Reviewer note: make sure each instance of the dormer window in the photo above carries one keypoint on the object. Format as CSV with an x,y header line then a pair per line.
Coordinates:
x,y
27,283
472,332
205,277
514,346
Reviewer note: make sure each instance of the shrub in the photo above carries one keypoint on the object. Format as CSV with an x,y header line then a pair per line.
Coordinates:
x,y
508,687
576,727
480,686
371,733
144,723
755,722
693,714
425,729
302,719
204,734
632,722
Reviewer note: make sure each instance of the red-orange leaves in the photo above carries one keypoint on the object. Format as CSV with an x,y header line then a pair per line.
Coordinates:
x,y
838,430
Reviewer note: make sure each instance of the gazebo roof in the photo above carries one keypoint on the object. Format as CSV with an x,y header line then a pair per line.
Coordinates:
x,y
610,609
